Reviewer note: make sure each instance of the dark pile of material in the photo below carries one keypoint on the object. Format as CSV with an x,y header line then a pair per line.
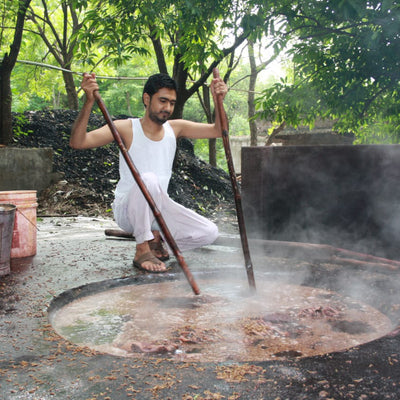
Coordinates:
x,y
89,176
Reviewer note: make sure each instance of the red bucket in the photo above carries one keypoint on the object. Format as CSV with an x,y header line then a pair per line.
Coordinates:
x,y
24,241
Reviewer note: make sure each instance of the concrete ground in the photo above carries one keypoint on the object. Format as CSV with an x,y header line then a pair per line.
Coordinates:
x,y
35,363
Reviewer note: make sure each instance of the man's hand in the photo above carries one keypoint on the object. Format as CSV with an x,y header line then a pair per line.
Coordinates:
x,y
218,88
89,86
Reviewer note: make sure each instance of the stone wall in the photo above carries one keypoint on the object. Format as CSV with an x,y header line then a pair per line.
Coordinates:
x,y
26,169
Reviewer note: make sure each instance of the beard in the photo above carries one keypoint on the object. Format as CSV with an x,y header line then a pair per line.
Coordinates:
x,y
160,117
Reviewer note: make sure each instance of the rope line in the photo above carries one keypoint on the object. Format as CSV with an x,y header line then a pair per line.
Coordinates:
x,y
35,225
116,78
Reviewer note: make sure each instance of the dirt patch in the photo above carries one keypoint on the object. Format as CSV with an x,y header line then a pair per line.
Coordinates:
x,y
89,176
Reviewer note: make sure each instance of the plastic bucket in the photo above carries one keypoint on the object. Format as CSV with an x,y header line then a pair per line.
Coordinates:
x,y
24,239
7,215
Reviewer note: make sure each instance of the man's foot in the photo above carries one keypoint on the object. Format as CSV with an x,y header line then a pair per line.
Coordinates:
x,y
159,250
147,262
157,247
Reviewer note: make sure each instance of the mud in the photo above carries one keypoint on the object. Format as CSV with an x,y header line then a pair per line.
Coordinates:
x,y
225,323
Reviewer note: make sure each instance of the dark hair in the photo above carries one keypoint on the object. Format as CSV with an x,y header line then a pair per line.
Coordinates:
x,y
157,82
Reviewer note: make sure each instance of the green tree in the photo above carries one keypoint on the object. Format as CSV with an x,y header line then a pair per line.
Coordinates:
x,y
346,64
191,33
195,35
14,15
57,24
254,71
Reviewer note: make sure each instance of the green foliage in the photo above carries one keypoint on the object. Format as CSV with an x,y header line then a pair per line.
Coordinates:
x,y
344,54
193,110
36,88
346,64
105,29
201,151
294,104
380,132
19,122
123,28
125,96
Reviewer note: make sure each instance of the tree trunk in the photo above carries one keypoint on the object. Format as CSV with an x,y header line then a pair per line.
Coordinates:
x,y
59,42
250,97
212,152
128,103
271,137
180,75
6,131
158,50
6,67
72,95
212,143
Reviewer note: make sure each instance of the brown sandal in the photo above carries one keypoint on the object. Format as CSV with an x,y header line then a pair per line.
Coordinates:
x,y
158,247
148,257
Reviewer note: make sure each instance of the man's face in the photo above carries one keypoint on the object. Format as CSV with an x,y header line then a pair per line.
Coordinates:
x,y
161,105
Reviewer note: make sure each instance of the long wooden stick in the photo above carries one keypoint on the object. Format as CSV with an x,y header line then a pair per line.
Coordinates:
x,y
157,214
236,191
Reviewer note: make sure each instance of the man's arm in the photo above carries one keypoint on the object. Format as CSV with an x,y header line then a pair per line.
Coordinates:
x,y
196,130
80,138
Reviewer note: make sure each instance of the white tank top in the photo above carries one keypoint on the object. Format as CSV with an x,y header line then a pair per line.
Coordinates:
x,y
148,156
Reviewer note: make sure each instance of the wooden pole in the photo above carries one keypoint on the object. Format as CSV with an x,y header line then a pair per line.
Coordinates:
x,y
235,188
157,214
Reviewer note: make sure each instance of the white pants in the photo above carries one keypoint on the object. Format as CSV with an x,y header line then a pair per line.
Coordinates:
x,y
133,214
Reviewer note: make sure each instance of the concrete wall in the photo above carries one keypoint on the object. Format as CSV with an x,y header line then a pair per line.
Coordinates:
x,y
328,138
346,196
26,169
313,139
236,144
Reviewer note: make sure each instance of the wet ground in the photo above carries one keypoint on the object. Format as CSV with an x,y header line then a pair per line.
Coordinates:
x,y
35,363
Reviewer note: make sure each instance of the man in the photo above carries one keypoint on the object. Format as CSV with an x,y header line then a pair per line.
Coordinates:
x,y
151,142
